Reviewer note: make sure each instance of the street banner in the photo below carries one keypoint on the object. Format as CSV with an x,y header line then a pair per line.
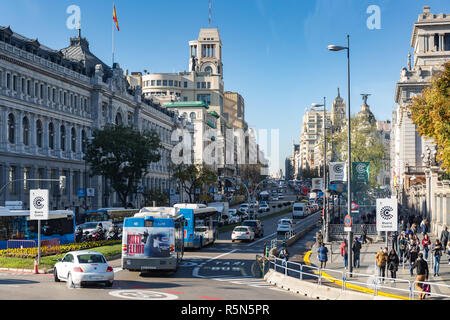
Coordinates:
x,y
316,184
361,171
39,204
338,171
387,215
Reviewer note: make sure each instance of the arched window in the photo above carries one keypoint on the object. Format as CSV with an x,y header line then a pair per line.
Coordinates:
x,y
63,138
119,119
11,129
39,133
73,139
26,131
208,69
193,116
51,136
184,115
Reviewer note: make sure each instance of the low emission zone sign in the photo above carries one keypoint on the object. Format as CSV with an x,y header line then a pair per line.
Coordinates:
x,y
387,216
39,204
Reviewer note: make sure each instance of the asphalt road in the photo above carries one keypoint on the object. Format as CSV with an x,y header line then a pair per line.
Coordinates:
x,y
222,271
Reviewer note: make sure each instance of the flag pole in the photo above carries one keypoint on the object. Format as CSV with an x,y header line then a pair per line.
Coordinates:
x,y
113,39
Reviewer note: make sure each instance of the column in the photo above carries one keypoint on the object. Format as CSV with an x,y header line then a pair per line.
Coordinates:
x,y
33,134
19,131
441,42
4,129
45,136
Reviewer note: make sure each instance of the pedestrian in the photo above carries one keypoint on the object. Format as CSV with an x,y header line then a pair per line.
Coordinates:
x,y
437,253
392,263
363,234
414,228
425,245
422,275
403,226
403,244
444,237
409,233
394,239
284,255
322,255
356,249
413,251
424,229
344,253
448,251
381,258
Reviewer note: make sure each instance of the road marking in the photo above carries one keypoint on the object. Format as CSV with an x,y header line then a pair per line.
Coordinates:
x,y
143,295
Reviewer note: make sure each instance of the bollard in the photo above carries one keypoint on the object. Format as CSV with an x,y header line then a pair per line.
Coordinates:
x,y
36,271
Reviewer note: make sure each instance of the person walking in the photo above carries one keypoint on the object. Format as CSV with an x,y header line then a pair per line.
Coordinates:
x,y
363,234
444,237
403,244
413,251
344,253
403,226
394,240
323,255
437,253
392,263
424,228
319,238
382,257
422,275
425,245
356,249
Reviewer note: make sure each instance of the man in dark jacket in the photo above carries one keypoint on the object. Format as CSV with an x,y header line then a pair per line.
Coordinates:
x,y
356,248
422,274
444,237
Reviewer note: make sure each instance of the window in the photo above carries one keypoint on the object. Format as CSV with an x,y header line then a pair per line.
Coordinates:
x,y
14,83
63,138
158,82
209,85
39,133
198,85
8,81
26,130
26,174
73,135
12,177
11,128
192,116
51,136
170,83
164,82
84,141
119,119
206,98
208,69
29,87
185,84
203,85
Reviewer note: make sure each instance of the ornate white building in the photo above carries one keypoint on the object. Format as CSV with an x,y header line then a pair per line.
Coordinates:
x,y
50,103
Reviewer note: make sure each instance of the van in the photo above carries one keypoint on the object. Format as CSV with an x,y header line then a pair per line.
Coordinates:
x,y
298,210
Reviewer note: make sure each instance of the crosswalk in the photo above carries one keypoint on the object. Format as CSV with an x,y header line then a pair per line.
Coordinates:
x,y
247,281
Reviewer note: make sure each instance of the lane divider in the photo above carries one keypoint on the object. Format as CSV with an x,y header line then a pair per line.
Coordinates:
x,y
349,285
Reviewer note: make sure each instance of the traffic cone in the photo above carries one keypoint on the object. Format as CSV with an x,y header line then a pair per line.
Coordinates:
x,y
36,271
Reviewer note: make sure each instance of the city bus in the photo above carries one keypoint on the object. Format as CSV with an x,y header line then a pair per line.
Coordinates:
x,y
16,225
153,240
201,224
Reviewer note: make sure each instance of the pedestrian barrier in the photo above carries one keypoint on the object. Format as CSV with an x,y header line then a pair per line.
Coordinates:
x,y
20,244
400,288
48,246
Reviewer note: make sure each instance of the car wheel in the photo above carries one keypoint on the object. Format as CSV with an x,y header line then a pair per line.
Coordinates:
x,y
55,273
70,282
109,284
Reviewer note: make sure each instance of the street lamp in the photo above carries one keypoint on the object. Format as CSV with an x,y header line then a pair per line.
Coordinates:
x,y
349,194
325,184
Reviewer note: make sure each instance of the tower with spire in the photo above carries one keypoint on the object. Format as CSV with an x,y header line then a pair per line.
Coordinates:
x,y
338,111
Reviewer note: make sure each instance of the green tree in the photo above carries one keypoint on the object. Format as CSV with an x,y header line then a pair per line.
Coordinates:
x,y
122,155
161,199
192,177
430,112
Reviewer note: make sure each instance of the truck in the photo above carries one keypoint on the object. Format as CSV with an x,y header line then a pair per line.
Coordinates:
x,y
223,208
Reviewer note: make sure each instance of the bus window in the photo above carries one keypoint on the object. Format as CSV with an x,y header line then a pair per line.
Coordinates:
x,y
148,223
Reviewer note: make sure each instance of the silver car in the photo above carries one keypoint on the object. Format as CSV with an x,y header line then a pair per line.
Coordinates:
x,y
81,267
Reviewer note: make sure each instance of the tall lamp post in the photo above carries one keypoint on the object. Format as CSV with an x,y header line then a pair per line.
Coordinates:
x,y
349,163
325,184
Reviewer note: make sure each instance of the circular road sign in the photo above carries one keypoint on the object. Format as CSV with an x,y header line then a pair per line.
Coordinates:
x,y
143,295
348,221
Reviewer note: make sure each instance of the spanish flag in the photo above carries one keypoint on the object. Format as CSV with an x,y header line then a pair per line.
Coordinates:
x,y
115,17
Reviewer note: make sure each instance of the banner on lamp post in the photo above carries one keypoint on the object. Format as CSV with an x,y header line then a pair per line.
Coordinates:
x,y
317,184
361,171
338,171
39,204
387,214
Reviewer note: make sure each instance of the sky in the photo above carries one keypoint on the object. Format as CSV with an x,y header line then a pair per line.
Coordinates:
x,y
274,51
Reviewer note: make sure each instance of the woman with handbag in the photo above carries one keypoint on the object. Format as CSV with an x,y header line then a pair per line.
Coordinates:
x,y
437,253
393,263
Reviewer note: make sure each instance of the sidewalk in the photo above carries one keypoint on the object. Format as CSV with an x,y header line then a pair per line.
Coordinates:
x,y
367,271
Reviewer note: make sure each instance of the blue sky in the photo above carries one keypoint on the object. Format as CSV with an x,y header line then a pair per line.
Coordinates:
x,y
275,51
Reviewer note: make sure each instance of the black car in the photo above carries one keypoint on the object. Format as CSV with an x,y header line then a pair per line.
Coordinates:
x,y
256,225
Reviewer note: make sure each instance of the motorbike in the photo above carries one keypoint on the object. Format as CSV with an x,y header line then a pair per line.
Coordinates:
x,y
97,235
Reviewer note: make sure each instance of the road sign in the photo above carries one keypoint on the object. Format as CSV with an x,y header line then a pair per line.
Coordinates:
x,y
387,214
39,204
354,206
90,192
348,221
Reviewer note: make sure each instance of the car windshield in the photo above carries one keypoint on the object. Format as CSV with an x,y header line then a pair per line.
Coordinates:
x,y
284,222
91,258
201,229
241,229
89,225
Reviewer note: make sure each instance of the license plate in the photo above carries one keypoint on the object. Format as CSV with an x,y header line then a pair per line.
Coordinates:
x,y
148,268
96,278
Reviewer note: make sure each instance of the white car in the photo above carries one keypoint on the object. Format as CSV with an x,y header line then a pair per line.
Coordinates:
x,y
234,216
264,208
285,225
242,233
274,199
244,206
81,267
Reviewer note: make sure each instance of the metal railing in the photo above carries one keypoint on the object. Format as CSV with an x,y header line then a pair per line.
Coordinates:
x,y
372,284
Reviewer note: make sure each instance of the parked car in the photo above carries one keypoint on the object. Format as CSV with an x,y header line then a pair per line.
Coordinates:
x,y
257,226
243,233
81,267
264,208
280,196
274,199
244,206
